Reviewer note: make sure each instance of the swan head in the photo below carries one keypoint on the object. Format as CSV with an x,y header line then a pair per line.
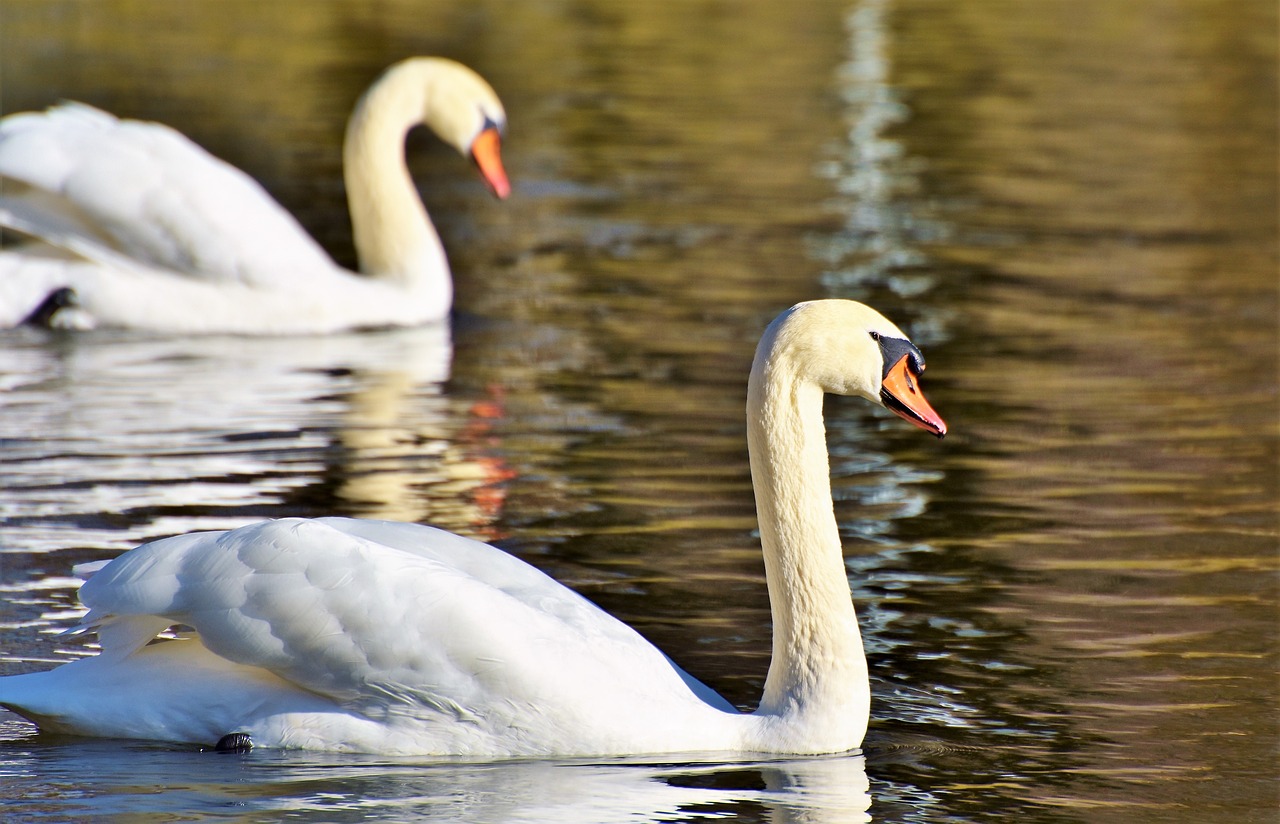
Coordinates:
x,y
848,348
463,110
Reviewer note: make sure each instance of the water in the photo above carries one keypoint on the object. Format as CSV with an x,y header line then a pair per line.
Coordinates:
x,y
1069,604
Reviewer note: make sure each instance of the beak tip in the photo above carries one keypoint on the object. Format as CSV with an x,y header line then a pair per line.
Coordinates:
x,y
899,394
486,153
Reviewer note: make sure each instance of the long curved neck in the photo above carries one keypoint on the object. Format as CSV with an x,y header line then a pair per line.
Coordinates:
x,y
817,681
394,238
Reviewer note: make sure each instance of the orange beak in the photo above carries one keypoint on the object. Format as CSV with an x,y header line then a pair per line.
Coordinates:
x,y
485,152
900,393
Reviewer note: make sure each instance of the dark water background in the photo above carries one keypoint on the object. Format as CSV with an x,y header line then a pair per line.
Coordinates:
x,y
1070,604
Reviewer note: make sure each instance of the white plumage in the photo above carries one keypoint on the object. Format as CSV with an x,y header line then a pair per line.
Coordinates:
x,y
406,628
399,638
149,231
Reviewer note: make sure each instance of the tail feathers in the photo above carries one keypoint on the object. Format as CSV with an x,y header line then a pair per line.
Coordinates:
x,y
45,217
121,635
88,568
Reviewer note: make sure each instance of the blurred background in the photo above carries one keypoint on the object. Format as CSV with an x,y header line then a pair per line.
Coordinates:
x,y
1070,603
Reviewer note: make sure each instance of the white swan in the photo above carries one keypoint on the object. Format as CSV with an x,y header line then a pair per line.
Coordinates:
x,y
136,226
402,639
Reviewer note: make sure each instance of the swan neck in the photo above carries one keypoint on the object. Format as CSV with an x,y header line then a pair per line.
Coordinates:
x,y
394,238
817,678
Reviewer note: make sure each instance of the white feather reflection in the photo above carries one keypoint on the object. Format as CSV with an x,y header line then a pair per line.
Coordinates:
x,y
168,435
319,787
885,222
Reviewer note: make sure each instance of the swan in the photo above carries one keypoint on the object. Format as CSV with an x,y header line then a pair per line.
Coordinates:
x,y
396,638
136,226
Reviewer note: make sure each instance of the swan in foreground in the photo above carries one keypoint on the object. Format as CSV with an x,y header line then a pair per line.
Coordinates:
x,y
133,225
396,638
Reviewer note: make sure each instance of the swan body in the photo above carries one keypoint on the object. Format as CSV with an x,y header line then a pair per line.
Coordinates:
x,y
133,225
397,638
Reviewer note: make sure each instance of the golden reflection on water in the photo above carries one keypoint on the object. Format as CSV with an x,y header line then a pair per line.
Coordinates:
x,y
407,454
1071,206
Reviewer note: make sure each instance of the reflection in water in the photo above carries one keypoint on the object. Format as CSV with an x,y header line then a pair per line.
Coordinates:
x,y
397,464
879,247
206,419
1044,610
1077,218
319,787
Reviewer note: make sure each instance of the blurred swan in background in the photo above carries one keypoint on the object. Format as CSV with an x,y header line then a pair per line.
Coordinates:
x,y
133,225
397,638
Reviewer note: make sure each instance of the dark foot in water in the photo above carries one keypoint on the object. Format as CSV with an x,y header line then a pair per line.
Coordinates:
x,y
234,742
56,301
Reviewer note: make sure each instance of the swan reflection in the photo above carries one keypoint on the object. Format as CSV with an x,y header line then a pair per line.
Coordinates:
x,y
171,435
138,777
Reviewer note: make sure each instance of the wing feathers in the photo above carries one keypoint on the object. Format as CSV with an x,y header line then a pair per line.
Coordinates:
x,y
110,189
368,613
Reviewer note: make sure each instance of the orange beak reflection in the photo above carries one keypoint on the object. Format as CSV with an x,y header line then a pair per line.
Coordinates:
x,y
485,151
900,392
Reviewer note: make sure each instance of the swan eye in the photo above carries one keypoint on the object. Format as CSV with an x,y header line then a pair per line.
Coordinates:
x,y
875,336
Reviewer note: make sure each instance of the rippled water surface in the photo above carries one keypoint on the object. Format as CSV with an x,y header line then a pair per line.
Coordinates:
x,y
1070,603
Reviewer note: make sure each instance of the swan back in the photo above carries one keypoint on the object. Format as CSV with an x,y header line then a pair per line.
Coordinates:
x,y
415,627
134,195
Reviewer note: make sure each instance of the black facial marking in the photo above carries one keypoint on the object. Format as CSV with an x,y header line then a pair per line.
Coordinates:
x,y
892,350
